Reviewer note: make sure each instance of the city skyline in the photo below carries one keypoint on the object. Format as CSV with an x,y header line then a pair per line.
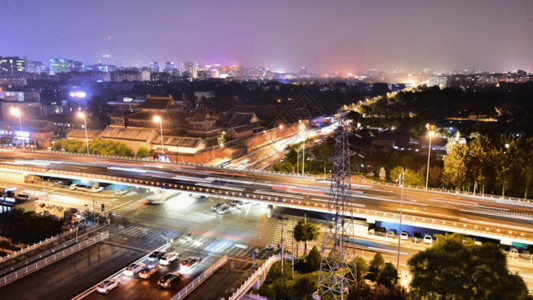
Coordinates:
x,y
350,37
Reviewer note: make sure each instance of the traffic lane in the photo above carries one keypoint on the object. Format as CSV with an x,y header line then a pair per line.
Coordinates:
x,y
72,275
138,288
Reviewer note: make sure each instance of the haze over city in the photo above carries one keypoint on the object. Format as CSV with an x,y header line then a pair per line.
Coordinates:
x,y
342,36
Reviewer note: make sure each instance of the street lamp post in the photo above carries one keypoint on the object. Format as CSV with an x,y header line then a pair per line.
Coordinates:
x,y
81,115
431,133
402,177
158,119
15,111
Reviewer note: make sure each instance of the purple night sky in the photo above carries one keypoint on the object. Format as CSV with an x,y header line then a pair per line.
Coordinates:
x,y
321,35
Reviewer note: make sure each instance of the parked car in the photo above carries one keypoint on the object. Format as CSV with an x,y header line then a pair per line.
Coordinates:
x,y
148,271
122,192
97,189
156,255
189,262
167,279
513,252
428,239
107,285
404,235
224,210
168,258
133,269
218,206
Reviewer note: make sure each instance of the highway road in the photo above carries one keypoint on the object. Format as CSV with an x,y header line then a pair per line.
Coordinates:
x,y
452,212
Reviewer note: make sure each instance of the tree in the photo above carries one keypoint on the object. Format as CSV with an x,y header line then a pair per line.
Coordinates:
x,y
527,165
362,291
456,268
361,267
376,265
313,260
388,276
304,232
142,152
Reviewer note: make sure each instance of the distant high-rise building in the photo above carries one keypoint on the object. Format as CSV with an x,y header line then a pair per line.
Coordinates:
x,y
187,67
154,66
61,65
12,64
170,67
33,66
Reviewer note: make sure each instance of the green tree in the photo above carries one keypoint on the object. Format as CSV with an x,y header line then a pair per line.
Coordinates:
x,y
526,170
313,260
361,267
456,268
304,232
455,165
376,265
142,152
388,276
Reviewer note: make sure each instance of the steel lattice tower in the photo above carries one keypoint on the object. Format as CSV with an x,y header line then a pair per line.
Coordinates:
x,y
337,269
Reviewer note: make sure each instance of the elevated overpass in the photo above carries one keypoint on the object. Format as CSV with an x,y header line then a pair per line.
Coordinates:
x,y
504,220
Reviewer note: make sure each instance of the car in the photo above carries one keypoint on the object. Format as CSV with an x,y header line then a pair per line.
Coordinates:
x,y
156,255
133,269
168,258
148,271
97,189
428,239
224,210
218,206
189,262
186,239
73,186
405,235
107,285
236,203
122,192
167,279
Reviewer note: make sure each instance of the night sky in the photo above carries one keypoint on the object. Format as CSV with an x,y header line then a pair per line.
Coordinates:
x,y
321,35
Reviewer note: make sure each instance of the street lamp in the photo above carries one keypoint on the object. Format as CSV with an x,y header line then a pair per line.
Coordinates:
x,y
15,112
81,115
158,119
431,133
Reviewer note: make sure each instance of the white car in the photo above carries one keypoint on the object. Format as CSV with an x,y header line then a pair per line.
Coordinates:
x,y
133,269
168,258
97,189
107,285
73,186
428,239
404,235
122,192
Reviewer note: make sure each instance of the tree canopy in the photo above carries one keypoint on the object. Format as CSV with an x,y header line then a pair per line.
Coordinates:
x,y
304,232
456,268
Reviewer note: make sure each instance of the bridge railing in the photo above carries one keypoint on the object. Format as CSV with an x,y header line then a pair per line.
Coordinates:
x,y
261,270
6,279
35,246
198,280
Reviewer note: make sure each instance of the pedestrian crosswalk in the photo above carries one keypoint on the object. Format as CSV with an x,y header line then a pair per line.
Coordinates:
x,y
137,232
125,208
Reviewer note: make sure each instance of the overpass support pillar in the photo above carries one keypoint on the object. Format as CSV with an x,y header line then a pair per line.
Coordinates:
x,y
270,210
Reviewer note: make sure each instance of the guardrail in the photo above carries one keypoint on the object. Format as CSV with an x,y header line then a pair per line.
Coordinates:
x,y
261,270
194,284
37,245
458,192
45,253
51,259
